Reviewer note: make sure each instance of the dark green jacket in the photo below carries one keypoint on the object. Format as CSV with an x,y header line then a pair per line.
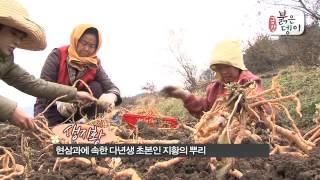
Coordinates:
x,y
17,77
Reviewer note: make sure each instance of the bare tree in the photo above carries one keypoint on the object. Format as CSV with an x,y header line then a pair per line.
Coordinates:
x,y
187,70
206,78
312,10
309,7
149,87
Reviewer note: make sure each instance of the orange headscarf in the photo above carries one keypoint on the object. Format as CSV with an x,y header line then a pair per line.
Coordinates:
x,y
74,59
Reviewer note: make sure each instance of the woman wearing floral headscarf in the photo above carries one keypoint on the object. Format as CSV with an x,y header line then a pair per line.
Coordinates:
x,y
79,60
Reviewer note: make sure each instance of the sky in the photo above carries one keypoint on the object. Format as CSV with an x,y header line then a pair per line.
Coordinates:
x,y
136,36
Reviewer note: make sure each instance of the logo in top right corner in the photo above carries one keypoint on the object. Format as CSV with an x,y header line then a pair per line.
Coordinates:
x,y
286,22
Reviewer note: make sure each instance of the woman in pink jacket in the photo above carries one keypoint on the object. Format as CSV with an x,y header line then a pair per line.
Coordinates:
x,y
227,62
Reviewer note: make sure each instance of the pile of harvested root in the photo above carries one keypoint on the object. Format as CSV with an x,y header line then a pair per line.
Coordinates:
x,y
245,115
9,167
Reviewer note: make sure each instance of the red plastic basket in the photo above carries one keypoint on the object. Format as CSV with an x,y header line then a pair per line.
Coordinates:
x,y
152,121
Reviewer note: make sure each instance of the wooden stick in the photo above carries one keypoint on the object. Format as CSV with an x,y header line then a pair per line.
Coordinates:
x,y
232,113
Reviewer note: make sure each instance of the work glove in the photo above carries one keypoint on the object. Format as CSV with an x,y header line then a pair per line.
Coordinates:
x,y
174,91
66,109
107,101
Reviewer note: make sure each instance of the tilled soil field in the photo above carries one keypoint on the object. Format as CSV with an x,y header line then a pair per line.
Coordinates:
x,y
274,167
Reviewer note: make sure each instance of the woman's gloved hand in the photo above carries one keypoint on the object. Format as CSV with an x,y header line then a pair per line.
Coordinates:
x,y
107,101
66,109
